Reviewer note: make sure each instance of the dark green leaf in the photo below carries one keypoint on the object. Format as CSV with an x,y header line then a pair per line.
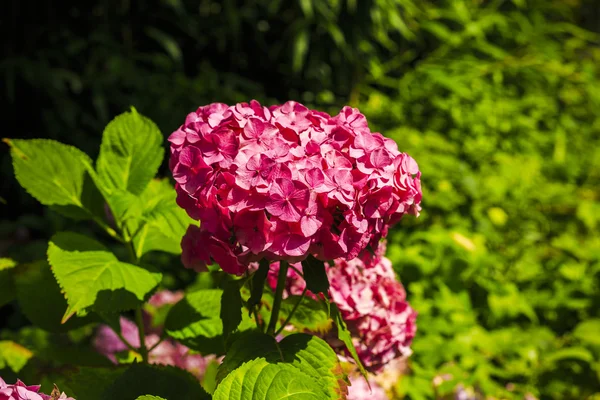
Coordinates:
x,y
258,283
231,307
315,276
41,300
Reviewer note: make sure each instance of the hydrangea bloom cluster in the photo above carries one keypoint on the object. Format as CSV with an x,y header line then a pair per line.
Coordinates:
x,y
167,352
20,391
283,182
373,305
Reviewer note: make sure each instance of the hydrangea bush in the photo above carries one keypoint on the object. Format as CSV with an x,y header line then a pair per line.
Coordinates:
x,y
279,215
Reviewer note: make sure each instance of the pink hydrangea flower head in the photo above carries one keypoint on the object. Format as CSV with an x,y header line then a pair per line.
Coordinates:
x,y
286,182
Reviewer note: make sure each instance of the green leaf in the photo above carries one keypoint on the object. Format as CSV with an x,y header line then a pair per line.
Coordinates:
x,y
57,175
345,337
310,315
196,322
310,354
13,355
261,380
41,300
588,331
164,222
258,283
248,346
130,153
231,307
308,357
7,285
91,383
91,276
164,381
150,397
315,276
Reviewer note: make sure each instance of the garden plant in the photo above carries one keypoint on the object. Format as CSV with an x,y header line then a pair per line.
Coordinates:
x,y
286,210
498,101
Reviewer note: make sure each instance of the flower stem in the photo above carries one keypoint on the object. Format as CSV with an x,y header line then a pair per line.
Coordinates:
x,y
281,279
140,324
289,317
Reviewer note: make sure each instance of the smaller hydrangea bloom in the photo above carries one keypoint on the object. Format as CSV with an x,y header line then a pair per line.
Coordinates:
x,y
19,391
359,389
372,303
165,297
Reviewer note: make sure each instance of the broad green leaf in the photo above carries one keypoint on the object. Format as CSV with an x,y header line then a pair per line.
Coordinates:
x,y
57,175
7,285
91,383
248,346
41,300
91,276
261,380
130,153
163,381
13,355
258,283
311,355
345,337
196,322
309,315
163,222
150,397
315,276
231,307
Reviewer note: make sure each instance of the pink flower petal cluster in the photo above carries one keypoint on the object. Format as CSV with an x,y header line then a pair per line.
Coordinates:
x,y
20,391
168,352
373,304
283,182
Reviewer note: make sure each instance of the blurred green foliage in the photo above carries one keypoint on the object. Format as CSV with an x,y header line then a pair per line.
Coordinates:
x,y
498,101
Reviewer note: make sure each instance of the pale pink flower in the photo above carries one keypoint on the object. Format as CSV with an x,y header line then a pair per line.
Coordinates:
x,y
359,389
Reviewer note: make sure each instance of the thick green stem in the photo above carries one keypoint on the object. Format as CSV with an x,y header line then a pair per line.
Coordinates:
x,y
281,280
139,320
